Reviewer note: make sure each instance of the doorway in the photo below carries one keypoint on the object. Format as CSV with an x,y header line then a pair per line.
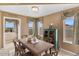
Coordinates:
x,y
11,30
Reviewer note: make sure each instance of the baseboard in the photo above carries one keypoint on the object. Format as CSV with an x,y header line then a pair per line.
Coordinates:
x,y
68,51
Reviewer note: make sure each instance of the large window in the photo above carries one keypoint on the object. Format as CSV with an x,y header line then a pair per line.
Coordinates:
x,y
68,26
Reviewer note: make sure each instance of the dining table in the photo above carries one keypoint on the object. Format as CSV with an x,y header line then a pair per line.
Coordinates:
x,y
38,47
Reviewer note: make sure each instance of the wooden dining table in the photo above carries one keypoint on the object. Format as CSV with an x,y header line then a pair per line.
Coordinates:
x,y
37,48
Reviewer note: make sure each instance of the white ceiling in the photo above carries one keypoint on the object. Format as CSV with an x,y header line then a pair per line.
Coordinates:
x,y
44,9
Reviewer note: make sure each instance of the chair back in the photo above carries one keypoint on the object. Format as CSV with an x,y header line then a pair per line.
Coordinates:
x,y
19,48
16,43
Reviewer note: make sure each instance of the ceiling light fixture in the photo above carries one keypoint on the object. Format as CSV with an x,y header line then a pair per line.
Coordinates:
x,y
35,9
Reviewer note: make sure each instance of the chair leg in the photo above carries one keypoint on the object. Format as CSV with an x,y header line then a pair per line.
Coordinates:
x,y
46,52
50,51
55,53
16,53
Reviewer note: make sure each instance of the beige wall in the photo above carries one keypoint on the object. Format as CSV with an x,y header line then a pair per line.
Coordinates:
x,y
72,47
56,20
23,21
24,30
0,31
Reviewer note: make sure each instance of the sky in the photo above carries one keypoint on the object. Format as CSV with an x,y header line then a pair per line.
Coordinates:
x,y
69,21
9,25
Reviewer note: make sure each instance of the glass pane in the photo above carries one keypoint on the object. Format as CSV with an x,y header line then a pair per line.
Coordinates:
x,y
69,30
40,28
9,26
30,26
69,21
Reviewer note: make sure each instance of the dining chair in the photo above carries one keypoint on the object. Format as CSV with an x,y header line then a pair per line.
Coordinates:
x,y
20,49
23,51
54,52
16,45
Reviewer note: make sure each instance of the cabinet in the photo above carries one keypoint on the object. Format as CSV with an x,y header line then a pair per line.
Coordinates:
x,y
51,35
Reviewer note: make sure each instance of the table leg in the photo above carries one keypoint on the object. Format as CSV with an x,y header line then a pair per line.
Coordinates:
x,y
46,52
50,51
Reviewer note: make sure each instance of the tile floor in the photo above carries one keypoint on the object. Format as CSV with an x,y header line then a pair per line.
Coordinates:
x,y
64,53
10,52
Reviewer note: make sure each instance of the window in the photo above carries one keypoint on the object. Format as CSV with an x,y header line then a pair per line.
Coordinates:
x,y
69,29
40,28
30,27
35,26
9,26
69,21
